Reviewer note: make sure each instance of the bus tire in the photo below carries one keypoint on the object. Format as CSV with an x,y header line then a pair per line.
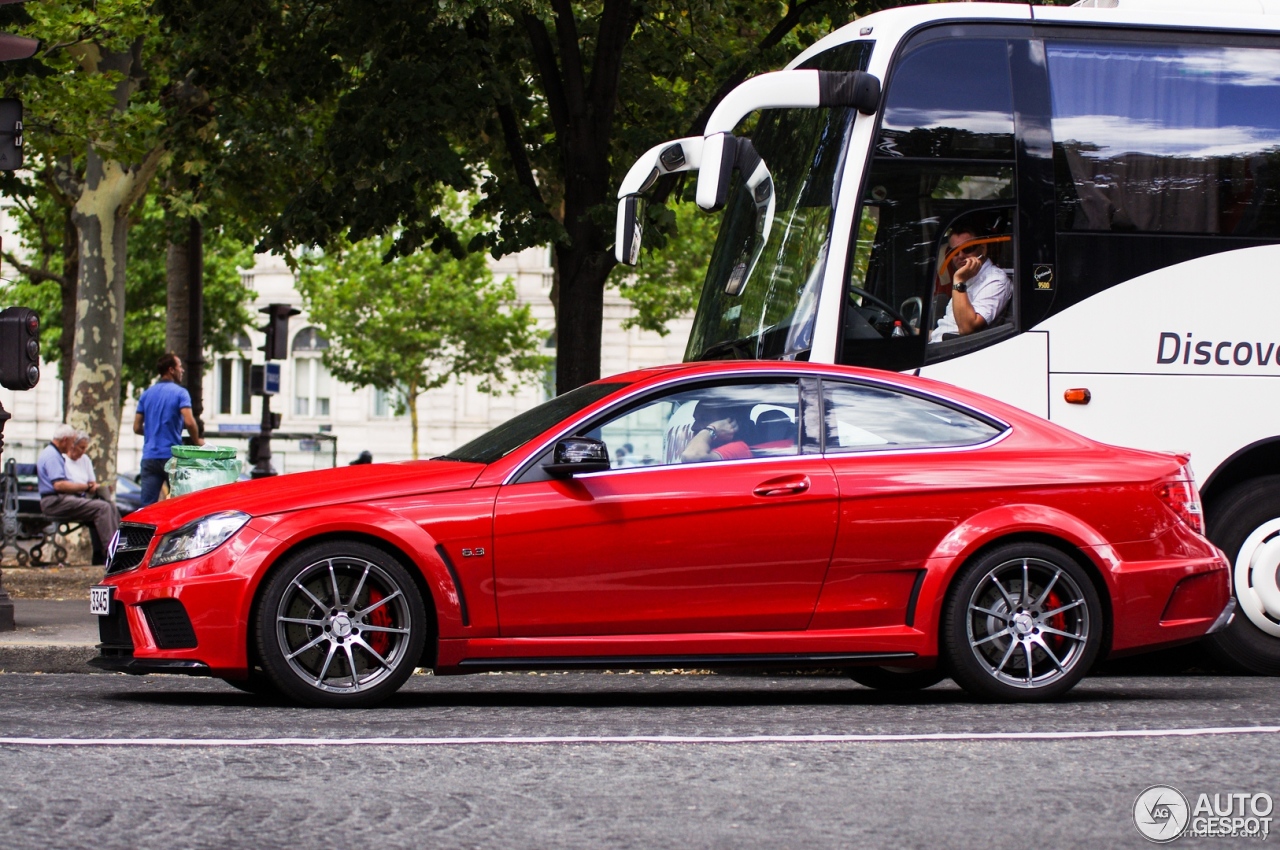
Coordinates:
x,y
1245,524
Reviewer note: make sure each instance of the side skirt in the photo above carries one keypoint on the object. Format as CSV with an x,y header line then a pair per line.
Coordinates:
x,y
789,661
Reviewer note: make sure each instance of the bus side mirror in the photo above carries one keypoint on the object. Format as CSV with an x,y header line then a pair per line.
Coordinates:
x,y
777,90
666,158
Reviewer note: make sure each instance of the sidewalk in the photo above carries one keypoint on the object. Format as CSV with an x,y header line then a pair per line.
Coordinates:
x,y
53,636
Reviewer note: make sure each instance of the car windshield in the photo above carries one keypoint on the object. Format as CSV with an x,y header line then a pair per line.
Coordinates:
x,y
517,431
760,295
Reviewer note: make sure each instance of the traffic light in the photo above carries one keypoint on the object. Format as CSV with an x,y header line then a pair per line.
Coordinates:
x,y
12,47
19,348
277,330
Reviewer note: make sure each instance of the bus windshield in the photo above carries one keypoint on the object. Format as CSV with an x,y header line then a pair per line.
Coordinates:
x,y
760,295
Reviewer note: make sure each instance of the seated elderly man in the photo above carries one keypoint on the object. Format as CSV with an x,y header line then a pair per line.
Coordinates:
x,y
64,499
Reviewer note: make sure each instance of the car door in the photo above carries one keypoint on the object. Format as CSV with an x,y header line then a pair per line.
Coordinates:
x,y
657,545
906,466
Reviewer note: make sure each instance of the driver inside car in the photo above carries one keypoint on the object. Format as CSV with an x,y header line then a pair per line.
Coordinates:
x,y
980,289
717,434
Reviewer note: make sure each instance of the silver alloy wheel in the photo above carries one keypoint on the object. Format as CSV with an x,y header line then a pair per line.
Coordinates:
x,y
343,625
1027,623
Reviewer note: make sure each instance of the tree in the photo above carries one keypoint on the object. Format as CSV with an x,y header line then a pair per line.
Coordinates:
x,y
93,122
543,104
44,279
415,323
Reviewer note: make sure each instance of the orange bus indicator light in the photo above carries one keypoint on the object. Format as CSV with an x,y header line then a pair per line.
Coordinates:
x,y
1079,395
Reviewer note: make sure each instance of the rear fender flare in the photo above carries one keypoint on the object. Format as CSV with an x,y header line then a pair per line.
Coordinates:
x,y
990,527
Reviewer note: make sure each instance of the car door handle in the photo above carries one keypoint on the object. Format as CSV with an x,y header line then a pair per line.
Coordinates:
x,y
783,486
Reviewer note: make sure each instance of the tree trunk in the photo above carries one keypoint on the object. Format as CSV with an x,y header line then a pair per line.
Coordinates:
x,y
580,280
177,268
69,285
411,398
101,218
184,316
195,319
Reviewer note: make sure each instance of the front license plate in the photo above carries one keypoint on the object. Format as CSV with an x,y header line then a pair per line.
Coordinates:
x,y
100,600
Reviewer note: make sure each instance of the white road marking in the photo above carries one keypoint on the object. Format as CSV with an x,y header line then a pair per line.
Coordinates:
x,y
636,739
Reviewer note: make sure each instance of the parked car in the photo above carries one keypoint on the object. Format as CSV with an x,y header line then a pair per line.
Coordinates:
x,y
768,515
128,493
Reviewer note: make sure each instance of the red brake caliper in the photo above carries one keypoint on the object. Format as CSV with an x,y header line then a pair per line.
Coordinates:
x,y
380,641
1057,621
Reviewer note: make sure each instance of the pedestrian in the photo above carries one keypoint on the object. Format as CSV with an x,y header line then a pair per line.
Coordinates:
x,y
365,456
163,410
64,499
79,466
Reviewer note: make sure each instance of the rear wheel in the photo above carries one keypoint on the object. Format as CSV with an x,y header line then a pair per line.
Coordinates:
x,y
1022,623
341,625
1245,524
896,679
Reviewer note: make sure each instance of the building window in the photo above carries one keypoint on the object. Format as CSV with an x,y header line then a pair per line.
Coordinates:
x,y
233,379
311,380
384,404
549,375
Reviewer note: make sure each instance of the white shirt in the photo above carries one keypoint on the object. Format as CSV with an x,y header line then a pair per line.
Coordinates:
x,y
989,293
80,471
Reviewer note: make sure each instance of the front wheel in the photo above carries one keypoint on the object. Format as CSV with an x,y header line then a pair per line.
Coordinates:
x,y
1245,524
1022,623
340,625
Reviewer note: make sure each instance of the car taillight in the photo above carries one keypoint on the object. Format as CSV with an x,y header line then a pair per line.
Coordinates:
x,y
1180,495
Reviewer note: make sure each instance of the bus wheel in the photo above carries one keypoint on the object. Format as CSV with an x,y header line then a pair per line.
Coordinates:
x,y
1246,525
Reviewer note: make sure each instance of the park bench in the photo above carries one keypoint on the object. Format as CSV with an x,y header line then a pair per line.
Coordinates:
x,y
21,519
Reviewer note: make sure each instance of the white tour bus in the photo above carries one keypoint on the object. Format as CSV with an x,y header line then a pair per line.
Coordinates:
x,y
1118,165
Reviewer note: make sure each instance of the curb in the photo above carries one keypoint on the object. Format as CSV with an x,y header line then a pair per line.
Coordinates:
x,y
37,658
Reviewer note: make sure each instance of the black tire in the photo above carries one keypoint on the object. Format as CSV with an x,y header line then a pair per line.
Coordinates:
x,y
1246,517
1010,639
896,679
257,684
340,625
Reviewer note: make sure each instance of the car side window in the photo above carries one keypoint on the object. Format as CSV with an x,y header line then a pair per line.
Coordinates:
x,y
859,418
704,423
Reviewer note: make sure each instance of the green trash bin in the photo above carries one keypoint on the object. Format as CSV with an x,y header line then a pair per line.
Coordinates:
x,y
195,468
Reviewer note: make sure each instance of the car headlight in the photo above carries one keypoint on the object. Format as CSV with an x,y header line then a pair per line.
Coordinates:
x,y
198,537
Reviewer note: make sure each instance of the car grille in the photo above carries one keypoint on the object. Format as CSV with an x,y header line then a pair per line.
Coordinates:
x,y
170,626
113,631
129,547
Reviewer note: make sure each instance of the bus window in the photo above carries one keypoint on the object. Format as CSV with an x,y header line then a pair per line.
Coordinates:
x,y
1166,138
944,153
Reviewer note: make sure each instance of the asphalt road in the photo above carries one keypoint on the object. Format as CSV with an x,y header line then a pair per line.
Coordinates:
x,y
599,760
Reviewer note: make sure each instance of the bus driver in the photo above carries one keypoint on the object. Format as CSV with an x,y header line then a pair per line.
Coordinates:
x,y
979,289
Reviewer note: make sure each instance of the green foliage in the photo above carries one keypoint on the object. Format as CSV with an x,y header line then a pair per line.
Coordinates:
x,y
414,323
503,97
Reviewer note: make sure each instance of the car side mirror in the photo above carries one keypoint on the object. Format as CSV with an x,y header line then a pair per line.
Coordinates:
x,y
577,455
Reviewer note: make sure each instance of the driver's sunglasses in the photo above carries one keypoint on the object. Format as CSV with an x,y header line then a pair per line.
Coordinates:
x,y
968,250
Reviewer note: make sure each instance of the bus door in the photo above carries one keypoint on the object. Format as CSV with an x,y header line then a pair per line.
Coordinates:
x,y
944,190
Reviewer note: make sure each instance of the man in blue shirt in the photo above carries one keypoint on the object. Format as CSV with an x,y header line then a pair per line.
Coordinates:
x,y
64,499
163,409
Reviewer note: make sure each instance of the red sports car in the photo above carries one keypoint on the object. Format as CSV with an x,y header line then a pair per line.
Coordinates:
x,y
782,515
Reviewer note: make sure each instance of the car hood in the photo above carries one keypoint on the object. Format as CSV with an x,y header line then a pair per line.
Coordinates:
x,y
302,490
